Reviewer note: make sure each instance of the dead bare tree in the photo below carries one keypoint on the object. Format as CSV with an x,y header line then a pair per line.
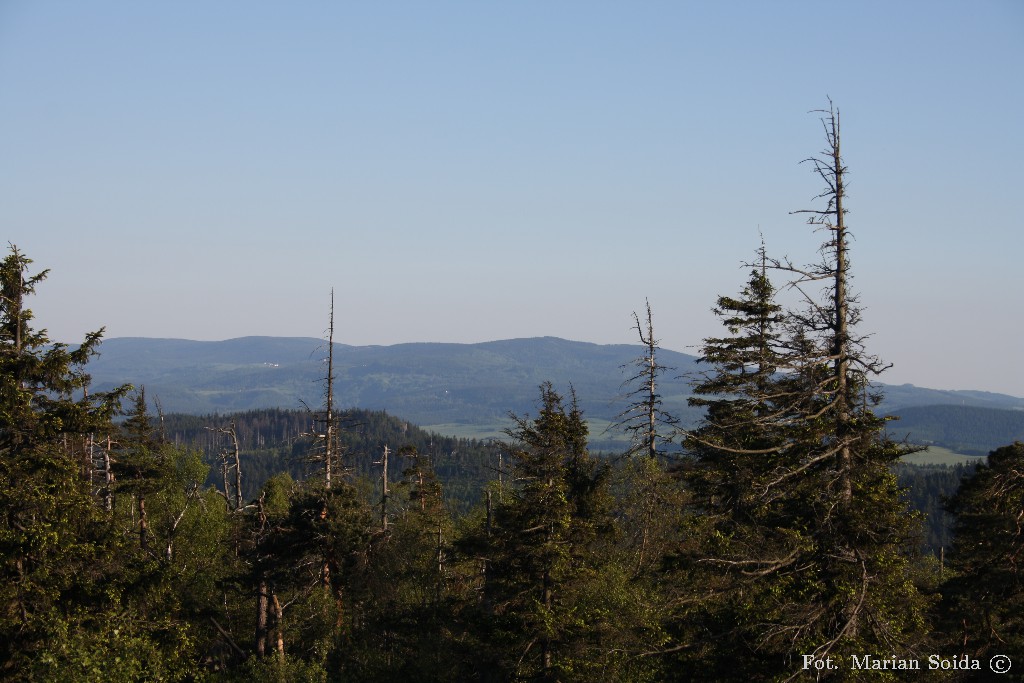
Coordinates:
x,y
383,462
826,324
644,419
326,450
231,461
325,423
102,471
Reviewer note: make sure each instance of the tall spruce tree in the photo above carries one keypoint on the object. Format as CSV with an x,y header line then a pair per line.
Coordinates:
x,y
734,535
138,464
544,611
795,463
54,571
838,462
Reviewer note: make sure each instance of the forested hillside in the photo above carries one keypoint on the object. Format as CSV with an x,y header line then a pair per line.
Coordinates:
x,y
965,429
771,540
275,441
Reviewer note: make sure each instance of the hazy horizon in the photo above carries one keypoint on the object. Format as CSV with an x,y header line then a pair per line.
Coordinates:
x,y
321,342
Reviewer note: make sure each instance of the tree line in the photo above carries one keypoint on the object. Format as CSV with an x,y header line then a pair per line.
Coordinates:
x,y
272,441
771,542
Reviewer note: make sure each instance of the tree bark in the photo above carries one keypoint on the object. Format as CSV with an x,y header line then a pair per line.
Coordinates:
x,y
841,333
143,524
262,605
278,625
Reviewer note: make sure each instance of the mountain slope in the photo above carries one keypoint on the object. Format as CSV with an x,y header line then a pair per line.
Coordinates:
x,y
428,383
435,384
965,429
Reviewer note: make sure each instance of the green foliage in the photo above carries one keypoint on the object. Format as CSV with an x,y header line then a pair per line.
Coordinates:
x,y
736,537
558,601
280,670
312,556
86,595
272,441
984,599
277,492
799,538
402,631
926,489
50,534
116,646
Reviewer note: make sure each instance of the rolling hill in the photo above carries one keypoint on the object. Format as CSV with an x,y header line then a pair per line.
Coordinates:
x,y
459,389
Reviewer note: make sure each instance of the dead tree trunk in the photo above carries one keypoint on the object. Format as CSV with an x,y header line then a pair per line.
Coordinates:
x,y
104,475
840,329
278,626
651,384
644,417
829,167
231,461
143,524
384,489
325,441
262,608
329,436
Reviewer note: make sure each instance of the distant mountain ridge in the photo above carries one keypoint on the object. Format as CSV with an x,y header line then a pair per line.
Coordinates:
x,y
428,383
961,428
431,384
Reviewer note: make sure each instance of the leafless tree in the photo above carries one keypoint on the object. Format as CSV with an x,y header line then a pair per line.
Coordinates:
x,y
644,419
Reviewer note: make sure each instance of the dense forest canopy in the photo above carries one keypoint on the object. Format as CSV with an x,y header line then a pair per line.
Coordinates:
x,y
772,540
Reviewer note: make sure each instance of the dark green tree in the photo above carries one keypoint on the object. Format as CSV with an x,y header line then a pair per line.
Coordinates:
x,y
857,531
745,398
554,595
65,584
733,535
403,633
138,464
984,598
304,612
531,533
797,511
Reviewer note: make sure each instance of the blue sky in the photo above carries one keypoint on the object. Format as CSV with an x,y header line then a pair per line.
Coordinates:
x,y
466,171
